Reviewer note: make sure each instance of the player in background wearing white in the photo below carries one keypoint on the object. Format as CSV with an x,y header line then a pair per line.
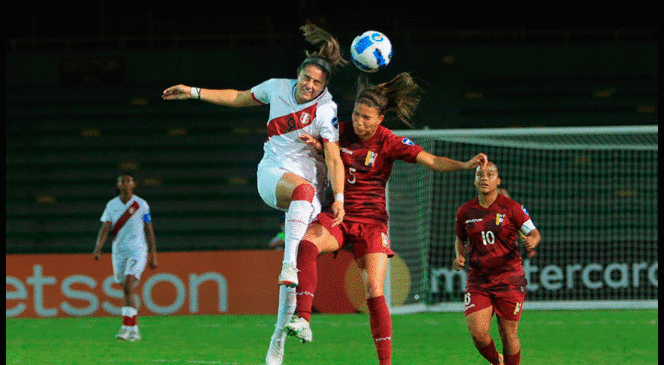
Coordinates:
x,y
292,175
127,218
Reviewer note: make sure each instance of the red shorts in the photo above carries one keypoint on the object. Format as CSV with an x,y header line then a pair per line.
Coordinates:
x,y
364,238
506,304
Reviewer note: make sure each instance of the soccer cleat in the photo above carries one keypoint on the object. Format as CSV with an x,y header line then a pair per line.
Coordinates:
x,y
134,336
500,359
123,334
299,327
288,276
275,354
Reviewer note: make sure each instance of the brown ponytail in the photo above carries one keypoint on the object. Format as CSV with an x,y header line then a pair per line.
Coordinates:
x,y
328,51
400,95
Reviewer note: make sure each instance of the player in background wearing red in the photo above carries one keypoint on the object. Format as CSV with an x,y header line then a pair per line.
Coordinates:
x,y
487,228
368,151
127,218
292,175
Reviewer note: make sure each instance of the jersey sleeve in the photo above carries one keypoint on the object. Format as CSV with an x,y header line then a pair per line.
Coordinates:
x,y
460,225
146,217
263,91
327,122
402,148
522,217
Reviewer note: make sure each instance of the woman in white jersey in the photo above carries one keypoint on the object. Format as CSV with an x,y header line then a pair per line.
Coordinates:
x,y
127,218
292,175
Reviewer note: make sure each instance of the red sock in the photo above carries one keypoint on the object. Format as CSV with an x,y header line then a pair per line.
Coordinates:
x,y
304,192
129,321
513,359
307,256
489,352
381,328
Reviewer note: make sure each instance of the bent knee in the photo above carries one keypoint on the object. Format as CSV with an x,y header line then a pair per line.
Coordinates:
x,y
481,339
374,289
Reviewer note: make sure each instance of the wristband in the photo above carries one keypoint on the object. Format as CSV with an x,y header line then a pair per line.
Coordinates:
x,y
339,197
196,93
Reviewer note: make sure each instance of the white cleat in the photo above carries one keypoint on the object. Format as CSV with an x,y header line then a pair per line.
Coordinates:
x,y
288,276
299,327
134,336
123,334
275,354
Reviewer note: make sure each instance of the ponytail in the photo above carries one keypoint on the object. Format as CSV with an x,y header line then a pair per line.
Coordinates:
x,y
400,95
328,56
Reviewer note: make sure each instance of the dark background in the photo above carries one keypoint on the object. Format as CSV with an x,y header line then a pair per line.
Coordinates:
x,y
83,86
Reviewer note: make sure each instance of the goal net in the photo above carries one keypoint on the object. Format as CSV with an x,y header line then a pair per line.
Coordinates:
x,y
591,192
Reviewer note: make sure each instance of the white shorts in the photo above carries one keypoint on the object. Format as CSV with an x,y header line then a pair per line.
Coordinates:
x,y
268,177
128,262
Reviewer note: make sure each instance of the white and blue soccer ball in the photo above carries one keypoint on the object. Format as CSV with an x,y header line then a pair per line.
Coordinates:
x,y
371,51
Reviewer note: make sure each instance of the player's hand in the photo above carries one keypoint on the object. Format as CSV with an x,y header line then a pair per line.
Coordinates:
x,y
177,92
339,212
153,261
95,254
311,141
459,263
479,160
530,243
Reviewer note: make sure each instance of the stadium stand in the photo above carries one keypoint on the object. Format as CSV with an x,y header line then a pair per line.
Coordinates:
x,y
199,177
68,135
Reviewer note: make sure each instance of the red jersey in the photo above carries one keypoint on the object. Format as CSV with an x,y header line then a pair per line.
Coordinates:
x,y
495,261
368,165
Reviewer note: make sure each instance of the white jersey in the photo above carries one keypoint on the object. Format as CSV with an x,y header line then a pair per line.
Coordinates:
x,y
129,221
288,120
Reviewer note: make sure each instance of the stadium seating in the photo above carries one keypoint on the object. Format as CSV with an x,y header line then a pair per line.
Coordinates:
x,y
195,163
197,172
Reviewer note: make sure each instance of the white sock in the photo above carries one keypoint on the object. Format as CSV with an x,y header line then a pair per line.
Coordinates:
x,y
298,217
129,311
287,304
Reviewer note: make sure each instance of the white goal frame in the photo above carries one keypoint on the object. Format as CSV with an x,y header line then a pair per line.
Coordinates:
x,y
571,138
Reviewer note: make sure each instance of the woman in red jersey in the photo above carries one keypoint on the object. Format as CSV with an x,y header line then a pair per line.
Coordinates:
x,y
368,151
488,227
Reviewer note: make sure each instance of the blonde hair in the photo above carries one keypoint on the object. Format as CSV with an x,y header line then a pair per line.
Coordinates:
x,y
400,95
328,51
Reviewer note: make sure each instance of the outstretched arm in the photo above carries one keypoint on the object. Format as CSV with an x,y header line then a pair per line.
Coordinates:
x,y
444,164
226,97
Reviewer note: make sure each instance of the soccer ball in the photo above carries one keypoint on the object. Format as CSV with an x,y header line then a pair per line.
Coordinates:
x,y
371,51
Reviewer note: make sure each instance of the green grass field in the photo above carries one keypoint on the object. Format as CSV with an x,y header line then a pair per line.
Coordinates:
x,y
547,337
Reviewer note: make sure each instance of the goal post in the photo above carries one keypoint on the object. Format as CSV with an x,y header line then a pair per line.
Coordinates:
x,y
591,191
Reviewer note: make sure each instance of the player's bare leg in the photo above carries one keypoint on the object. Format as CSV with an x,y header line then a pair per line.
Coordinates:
x,y
129,330
511,345
373,267
128,290
316,241
478,325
